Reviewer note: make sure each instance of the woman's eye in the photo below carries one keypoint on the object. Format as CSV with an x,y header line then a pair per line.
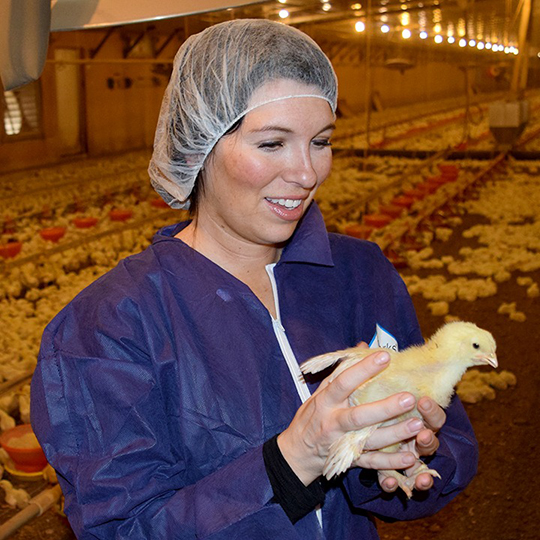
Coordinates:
x,y
321,143
271,145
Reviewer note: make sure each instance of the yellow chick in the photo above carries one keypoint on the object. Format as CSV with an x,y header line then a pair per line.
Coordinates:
x,y
431,370
17,498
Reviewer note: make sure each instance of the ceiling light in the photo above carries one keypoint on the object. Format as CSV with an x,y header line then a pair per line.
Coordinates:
x,y
451,39
423,34
438,38
472,43
326,6
282,1
462,42
480,45
406,34
356,6
283,13
360,26
385,29
488,45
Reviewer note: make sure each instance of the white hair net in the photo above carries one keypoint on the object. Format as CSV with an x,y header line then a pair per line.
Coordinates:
x,y
215,73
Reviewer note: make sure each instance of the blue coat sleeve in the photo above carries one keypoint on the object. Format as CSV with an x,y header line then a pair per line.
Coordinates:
x,y
104,426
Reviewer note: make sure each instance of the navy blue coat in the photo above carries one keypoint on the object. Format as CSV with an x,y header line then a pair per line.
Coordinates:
x,y
157,386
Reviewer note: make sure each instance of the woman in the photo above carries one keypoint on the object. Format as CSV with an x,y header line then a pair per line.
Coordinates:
x,y
167,394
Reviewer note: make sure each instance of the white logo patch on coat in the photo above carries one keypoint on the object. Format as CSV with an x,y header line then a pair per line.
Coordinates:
x,y
383,338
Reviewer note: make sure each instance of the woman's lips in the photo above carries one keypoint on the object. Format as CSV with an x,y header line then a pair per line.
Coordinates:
x,y
286,209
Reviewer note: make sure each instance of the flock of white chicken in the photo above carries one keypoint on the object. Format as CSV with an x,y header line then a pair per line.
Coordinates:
x,y
33,292
438,131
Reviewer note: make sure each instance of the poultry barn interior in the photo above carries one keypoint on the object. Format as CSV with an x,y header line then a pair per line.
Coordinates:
x,y
436,158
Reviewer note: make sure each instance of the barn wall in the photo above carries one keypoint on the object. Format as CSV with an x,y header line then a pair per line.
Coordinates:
x,y
119,104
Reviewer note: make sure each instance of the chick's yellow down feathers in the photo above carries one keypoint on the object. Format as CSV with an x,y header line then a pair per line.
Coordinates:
x,y
431,370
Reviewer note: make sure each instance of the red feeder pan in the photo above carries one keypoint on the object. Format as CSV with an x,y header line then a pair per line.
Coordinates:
x,y
414,193
391,210
159,203
403,201
53,234
427,188
85,222
25,459
447,169
10,250
120,214
358,231
436,181
377,221
397,261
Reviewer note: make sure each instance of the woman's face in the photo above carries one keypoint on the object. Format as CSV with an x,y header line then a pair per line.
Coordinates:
x,y
260,179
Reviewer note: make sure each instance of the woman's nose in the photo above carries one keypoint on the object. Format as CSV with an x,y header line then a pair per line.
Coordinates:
x,y
302,170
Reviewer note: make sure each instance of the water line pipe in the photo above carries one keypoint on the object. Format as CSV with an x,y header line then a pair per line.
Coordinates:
x,y
36,507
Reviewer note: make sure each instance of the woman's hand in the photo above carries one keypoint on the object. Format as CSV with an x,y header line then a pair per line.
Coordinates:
x,y
326,416
426,443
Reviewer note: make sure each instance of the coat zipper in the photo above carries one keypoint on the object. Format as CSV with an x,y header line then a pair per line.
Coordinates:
x,y
286,350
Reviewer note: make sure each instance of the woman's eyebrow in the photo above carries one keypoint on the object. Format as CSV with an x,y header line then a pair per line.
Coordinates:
x,y
271,128
286,130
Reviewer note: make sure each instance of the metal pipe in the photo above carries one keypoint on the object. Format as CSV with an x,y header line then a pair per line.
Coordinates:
x,y
36,507
112,61
519,75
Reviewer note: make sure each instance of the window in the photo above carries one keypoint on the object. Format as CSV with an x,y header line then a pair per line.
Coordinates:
x,y
21,113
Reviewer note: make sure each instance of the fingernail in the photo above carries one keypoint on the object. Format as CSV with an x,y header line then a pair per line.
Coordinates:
x,y
408,459
425,482
427,405
415,425
406,401
382,358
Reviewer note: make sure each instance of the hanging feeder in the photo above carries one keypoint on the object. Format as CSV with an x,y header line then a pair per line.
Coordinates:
x,y
399,64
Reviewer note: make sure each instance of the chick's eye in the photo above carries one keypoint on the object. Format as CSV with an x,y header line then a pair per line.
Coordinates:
x,y
476,345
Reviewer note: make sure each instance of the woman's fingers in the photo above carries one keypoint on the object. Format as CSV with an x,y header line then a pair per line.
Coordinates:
x,y
434,416
427,443
339,389
385,460
395,434
369,414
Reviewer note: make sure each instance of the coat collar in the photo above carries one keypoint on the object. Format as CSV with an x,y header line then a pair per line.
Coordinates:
x,y
308,244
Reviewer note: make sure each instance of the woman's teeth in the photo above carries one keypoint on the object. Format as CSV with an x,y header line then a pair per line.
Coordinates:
x,y
290,204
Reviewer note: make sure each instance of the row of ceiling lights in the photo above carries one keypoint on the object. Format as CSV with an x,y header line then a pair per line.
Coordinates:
x,y
407,34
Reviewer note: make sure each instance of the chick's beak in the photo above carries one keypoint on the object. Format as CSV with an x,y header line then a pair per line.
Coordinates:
x,y
490,359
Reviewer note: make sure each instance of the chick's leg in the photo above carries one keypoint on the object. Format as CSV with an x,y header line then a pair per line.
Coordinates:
x,y
402,480
345,450
412,473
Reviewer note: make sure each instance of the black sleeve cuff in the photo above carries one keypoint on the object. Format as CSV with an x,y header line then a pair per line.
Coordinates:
x,y
290,493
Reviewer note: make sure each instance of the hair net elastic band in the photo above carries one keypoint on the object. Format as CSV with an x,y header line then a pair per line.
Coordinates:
x,y
261,104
